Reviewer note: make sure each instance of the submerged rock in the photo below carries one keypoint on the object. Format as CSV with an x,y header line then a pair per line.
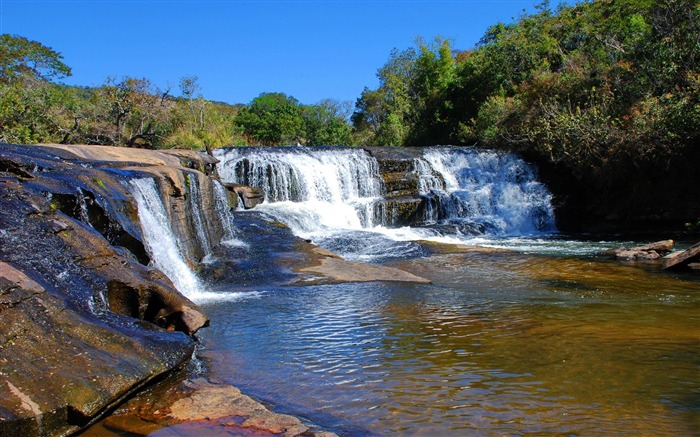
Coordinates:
x,y
197,406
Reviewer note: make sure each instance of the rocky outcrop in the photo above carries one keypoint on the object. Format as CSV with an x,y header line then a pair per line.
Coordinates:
x,y
84,322
650,251
336,269
250,197
402,205
198,406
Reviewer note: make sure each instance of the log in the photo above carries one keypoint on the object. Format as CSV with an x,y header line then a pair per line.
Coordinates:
x,y
682,259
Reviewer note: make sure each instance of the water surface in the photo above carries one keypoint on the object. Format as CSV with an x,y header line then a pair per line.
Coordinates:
x,y
500,343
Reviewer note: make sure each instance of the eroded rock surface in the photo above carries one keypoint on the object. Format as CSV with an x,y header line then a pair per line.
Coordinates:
x,y
84,322
200,407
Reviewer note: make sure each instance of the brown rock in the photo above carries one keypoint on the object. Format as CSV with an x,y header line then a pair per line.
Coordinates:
x,y
250,196
646,252
352,271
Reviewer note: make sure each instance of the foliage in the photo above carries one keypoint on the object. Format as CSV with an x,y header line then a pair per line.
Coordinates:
x,y
276,119
272,119
134,112
607,91
410,107
324,124
23,59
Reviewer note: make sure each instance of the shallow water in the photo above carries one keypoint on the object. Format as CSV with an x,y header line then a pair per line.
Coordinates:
x,y
500,343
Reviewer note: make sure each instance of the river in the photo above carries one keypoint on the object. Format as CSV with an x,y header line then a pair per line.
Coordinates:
x,y
530,333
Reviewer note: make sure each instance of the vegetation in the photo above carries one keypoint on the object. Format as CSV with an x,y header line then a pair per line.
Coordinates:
x,y
134,112
608,92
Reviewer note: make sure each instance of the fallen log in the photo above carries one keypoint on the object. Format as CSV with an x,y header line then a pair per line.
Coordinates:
x,y
684,258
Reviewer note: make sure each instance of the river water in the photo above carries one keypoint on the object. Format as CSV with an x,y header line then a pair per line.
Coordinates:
x,y
531,334
498,344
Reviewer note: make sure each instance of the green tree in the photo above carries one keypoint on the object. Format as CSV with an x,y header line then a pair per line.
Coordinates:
x,y
21,58
272,119
325,124
32,109
130,112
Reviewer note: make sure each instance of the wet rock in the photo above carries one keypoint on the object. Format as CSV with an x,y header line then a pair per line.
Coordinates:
x,y
198,406
250,196
84,323
400,211
651,251
337,269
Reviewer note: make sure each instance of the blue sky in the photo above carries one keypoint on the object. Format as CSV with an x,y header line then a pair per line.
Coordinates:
x,y
239,49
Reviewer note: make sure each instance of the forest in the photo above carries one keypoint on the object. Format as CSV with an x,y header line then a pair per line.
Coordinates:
x,y
604,92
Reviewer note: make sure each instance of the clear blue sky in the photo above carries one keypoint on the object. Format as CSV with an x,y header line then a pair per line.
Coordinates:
x,y
239,49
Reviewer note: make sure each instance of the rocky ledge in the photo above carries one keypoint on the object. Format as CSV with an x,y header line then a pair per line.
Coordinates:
x,y
84,322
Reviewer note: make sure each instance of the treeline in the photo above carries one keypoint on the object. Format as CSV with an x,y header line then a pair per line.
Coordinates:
x,y
134,112
593,87
604,90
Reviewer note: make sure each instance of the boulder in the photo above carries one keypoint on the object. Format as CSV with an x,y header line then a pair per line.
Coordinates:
x,y
650,251
201,407
250,196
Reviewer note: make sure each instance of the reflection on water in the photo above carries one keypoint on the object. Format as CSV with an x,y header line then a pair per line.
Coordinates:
x,y
500,343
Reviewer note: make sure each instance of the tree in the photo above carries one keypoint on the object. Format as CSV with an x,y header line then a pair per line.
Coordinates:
x,y
411,105
21,59
324,124
272,119
32,109
131,112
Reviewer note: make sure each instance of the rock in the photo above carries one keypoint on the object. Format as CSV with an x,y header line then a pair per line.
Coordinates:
x,y
198,406
250,196
686,258
338,269
84,323
650,251
659,246
400,211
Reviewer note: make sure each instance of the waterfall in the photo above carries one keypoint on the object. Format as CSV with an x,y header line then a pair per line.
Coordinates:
x,y
309,189
304,174
195,202
231,236
484,191
335,196
160,240
162,245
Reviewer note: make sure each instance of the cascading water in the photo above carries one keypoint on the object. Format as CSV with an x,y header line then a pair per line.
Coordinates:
x,y
309,189
334,196
160,240
483,192
223,211
162,245
195,202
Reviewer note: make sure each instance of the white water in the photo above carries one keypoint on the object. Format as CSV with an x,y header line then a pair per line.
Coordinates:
x,y
334,197
231,235
309,189
195,202
162,244
497,192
